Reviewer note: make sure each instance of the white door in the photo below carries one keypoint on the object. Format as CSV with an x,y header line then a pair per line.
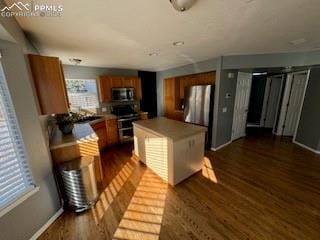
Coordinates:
x,y
241,105
296,97
271,101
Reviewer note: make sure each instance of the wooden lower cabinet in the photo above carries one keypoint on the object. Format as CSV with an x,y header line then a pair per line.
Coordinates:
x,y
143,115
112,132
83,149
101,131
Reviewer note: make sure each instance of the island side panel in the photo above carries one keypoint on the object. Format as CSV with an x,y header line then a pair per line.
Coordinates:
x,y
152,150
188,155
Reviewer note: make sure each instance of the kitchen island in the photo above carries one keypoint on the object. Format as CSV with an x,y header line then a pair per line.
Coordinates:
x,y
174,150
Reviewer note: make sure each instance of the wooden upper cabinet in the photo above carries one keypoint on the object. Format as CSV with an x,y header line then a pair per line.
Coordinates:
x,y
174,92
195,79
49,84
106,83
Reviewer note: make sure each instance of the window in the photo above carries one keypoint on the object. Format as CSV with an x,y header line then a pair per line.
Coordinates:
x,y
82,93
15,175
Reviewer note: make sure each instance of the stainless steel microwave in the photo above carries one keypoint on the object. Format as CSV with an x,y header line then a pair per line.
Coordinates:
x,y
122,94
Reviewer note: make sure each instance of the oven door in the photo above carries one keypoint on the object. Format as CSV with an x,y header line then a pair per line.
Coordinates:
x,y
126,134
119,94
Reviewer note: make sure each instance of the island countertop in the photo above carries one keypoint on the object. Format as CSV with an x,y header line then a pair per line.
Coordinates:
x,y
172,129
80,134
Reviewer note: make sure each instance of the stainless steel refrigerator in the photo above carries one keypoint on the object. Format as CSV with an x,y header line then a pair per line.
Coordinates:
x,y
198,106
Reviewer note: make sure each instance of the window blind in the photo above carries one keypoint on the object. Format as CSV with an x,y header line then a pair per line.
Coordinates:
x,y
15,175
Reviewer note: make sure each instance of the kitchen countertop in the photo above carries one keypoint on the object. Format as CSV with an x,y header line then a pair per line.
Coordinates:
x,y
81,133
172,129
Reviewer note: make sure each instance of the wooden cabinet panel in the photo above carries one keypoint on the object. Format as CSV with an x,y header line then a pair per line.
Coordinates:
x,y
104,88
174,92
112,132
101,131
106,83
49,84
195,79
143,115
137,86
84,149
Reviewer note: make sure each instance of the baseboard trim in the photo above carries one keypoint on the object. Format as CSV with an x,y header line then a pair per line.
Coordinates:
x,y
47,224
306,147
221,146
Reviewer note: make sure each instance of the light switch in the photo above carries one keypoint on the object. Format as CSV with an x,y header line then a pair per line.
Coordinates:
x,y
230,75
224,110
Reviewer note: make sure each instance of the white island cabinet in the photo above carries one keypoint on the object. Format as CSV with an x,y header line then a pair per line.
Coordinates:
x,y
174,150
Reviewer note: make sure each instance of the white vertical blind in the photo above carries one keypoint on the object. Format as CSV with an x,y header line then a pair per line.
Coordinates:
x,y
15,175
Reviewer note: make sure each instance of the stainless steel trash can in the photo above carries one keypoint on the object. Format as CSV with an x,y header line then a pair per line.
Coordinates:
x,y
79,183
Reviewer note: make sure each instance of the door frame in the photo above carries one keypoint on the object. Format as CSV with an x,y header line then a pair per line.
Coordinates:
x,y
274,130
234,107
301,106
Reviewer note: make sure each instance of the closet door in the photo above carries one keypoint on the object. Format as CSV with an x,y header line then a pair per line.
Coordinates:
x,y
241,105
296,97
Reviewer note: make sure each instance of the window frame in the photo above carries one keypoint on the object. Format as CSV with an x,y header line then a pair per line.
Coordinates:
x,y
84,79
31,188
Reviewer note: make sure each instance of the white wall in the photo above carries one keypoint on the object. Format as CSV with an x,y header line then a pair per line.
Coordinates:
x,y
27,218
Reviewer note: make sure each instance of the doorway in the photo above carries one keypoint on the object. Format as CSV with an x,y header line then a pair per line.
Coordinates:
x,y
268,103
241,105
293,97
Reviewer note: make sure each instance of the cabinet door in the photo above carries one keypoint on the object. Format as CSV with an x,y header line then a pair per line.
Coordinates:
x,y
104,88
49,84
112,132
101,131
137,86
116,82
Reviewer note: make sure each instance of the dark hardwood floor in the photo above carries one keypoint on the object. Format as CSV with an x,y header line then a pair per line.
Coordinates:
x,y
255,188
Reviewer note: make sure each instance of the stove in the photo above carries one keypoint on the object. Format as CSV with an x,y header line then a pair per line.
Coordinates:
x,y
126,116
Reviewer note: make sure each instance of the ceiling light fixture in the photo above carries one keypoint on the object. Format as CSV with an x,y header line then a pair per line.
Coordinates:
x,y
75,61
178,44
182,5
153,54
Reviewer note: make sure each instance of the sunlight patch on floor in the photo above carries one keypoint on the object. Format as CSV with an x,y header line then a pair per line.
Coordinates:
x,y
143,217
208,172
110,192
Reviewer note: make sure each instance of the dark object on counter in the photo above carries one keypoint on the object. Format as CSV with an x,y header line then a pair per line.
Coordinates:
x,y
79,183
66,121
66,128
85,119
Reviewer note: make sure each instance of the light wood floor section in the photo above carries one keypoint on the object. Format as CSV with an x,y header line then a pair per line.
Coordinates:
x,y
253,189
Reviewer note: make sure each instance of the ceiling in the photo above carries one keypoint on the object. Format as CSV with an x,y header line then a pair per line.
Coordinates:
x,y
122,33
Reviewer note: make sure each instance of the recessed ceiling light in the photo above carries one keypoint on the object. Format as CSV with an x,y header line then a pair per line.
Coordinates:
x,y
178,43
153,54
